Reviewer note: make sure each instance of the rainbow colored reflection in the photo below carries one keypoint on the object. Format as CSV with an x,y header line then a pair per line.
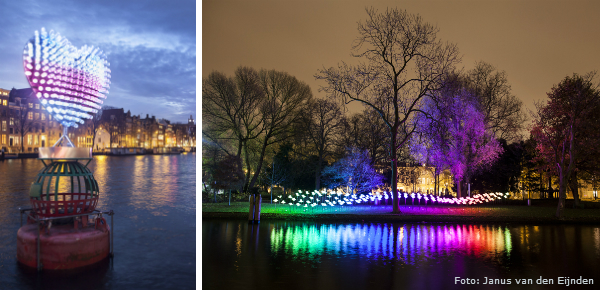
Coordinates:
x,y
408,243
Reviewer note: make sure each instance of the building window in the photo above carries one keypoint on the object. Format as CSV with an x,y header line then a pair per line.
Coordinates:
x,y
43,116
10,130
29,139
30,116
37,106
3,139
43,129
12,121
3,125
37,116
30,105
5,102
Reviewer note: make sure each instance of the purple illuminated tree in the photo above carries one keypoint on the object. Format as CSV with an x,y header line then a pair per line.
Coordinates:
x,y
353,173
453,135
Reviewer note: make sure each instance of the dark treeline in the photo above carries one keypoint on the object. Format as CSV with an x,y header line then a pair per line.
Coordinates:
x,y
265,128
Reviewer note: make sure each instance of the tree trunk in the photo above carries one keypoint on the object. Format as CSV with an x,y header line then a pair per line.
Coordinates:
x,y
541,189
260,162
395,207
459,192
239,156
467,186
246,184
318,173
574,185
560,209
435,182
564,175
550,185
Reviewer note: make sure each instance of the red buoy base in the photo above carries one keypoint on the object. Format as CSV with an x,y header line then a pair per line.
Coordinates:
x,y
62,246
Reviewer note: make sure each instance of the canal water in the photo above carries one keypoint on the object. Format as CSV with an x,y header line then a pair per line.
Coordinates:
x,y
154,200
311,255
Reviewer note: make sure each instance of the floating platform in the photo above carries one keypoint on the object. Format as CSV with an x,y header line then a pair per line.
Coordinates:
x,y
63,247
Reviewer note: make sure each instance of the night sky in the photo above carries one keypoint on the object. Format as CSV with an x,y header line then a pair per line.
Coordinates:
x,y
537,43
151,47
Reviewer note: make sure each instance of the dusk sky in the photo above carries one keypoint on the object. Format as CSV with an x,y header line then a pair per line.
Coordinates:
x,y
537,43
151,47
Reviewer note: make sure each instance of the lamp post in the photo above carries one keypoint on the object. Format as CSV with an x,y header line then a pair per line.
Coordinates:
x,y
272,175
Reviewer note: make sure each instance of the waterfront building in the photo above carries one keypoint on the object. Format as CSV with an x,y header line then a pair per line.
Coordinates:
x,y
120,129
4,119
415,178
25,126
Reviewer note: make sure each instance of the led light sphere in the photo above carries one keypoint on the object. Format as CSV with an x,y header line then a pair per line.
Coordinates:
x,y
71,83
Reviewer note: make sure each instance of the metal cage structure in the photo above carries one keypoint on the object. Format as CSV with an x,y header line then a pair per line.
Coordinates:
x,y
49,197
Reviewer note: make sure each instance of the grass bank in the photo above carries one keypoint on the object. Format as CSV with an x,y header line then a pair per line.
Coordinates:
x,y
541,213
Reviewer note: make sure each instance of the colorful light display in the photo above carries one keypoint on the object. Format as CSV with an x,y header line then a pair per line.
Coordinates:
x,y
409,243
69,82
338,198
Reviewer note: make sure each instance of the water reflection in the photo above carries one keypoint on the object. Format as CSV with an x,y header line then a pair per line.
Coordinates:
x,y
154,198
405,242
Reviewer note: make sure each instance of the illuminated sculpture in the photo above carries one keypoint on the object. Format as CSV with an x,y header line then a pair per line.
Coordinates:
x,y
70,83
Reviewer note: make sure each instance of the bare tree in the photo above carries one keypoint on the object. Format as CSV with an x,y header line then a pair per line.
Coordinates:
x,y
502,109
94,124
285,97
24,119
323,125
570,111
231,110
373,135
403,63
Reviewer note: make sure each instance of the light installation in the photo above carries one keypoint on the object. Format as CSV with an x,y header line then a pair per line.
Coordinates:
x,y
70,83
321,199
411,243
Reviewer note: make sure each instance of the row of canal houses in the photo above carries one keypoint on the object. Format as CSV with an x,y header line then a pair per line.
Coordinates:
x,y
22,115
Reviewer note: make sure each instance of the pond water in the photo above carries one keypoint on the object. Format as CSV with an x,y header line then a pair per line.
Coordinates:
x,y
154,200
313,255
